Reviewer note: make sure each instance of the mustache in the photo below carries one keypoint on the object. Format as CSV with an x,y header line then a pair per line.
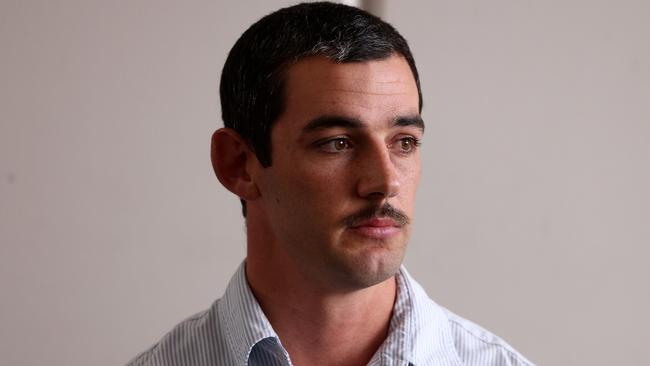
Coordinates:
x,y
375,211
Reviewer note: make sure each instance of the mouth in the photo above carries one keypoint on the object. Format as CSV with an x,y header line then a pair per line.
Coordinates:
x,y
378,228
377,223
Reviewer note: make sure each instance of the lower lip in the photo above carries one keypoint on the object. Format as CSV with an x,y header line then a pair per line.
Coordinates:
x,y
376,232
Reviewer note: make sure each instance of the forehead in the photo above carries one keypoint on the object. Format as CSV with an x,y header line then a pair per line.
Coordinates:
x,y
368,91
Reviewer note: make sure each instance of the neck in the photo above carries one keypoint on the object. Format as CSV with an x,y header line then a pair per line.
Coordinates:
x,y
318,325
328,329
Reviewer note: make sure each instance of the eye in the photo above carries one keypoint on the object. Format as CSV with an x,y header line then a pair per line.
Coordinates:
x,y
408,144
335,145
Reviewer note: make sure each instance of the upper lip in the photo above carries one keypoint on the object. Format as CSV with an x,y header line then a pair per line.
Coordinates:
x,y
377,222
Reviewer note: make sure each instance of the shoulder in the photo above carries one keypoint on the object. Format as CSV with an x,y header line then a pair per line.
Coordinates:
x,y
197,340
477,346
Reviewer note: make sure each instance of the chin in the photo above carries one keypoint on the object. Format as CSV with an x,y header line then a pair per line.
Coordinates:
x,y
370,267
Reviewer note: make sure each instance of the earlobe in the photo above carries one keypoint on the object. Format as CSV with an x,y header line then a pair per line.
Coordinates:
x,y
230,156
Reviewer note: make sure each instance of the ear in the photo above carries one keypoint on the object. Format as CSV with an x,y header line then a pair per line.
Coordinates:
x,y
231,160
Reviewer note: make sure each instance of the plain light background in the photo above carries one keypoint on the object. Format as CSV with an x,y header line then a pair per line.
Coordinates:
x,y
532,218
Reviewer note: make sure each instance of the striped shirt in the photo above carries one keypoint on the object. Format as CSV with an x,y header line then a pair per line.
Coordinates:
x,y
235,331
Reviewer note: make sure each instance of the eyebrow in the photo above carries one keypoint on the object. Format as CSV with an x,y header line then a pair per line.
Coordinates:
x,y
415,121
325,122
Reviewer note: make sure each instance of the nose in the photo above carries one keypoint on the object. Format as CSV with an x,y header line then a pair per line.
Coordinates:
x,y
378,175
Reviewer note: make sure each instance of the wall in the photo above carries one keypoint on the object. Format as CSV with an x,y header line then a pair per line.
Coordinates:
x,y
533,210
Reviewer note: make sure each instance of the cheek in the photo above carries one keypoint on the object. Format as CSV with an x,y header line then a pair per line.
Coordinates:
x,y
414,179
410,180
319,183
307,186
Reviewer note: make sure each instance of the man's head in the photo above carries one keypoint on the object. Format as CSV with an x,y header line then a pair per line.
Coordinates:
x,y
253,78
322,110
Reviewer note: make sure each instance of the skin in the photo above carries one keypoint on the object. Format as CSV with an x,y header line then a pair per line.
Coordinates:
x,y
321,255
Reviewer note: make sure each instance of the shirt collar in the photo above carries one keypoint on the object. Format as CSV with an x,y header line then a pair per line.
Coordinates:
x,y
419,332
244,321
419,329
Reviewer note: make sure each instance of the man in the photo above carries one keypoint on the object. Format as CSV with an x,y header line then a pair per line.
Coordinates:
x,y
321,104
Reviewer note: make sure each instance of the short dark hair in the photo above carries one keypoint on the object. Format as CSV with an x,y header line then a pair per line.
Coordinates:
x,y
253,76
